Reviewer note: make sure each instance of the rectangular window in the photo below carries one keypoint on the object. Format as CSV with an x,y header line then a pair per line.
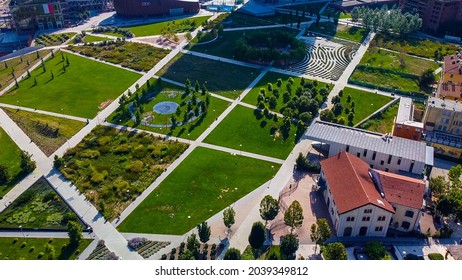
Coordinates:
x,y
366,219
409,214
381,218
373,155
365,153
386,169
378,228
367,211
358,155
350,219
348,148
382,162
399,161
389,159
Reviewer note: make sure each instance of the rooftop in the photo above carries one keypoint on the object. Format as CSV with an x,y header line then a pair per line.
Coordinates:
x,y
326,132
446,104
453,64
350,183
406,113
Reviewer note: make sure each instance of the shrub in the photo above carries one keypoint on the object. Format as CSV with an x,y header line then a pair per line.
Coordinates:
x,y
164,257
31,248
40,255
137,242
376,251
24,244
172,257
435,256
232,254
137,166
15,240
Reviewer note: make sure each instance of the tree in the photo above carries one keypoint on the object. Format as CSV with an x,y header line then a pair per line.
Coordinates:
x,y
257,235
186,256
74,230
427,78
232,254
193,244
320,232
197,86
269,208
4,174
228,217
439,186
27,164
376,251
451,204
327,115
454,175
335,251
204,232
289,245
293,217
50,251
351,117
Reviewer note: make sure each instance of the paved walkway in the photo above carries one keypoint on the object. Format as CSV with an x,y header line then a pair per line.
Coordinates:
x,y
40,234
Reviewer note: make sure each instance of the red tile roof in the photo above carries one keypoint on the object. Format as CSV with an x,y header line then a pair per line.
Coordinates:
x,y
350,183
402,190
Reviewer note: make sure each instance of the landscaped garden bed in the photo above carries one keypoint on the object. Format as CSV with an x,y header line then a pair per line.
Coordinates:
x,y
221,78
113,167
383,122
177,26
101,252
137,56
39,207
145,247
47,132
12,69
205,252
329,28
53,39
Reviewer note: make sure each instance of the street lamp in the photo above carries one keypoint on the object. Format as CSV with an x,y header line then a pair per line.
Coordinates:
x,y
240,149
23,235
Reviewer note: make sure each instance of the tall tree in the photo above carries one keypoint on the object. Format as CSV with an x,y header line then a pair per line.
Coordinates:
x,y
320,232
74,230
4,174
229,217
257,235
193,244
293,217
269,208
335,251
27,164
439,186
289,245
204,232
232,254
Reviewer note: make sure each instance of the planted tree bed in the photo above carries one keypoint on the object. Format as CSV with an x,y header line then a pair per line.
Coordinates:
x,y
47,132
145,247
54,39
113,167
17,66
39,207
101,252
137,56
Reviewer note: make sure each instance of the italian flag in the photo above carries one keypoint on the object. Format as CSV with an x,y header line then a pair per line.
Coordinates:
x,y
48,8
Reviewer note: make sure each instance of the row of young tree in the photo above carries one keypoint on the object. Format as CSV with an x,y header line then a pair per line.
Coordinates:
x,y
390,21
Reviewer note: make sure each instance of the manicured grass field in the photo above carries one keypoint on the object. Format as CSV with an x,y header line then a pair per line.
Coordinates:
x,y
169,92
30,249
91,39
141,57
19,64
118,35
352,33
156,28
39,207
379,58
206,182
424,48
10,157
387,80
383,122
54,39
224,45
241,127
113,167
79,91
365,103
272,77
47,132
221,78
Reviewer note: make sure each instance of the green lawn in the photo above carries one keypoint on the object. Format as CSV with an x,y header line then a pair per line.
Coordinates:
x,y
48,132
137,56
10,157
424,48
379,58
30,249
206,182
352,33
167,92
241,127
224,46
156,28
79,91
382,123
365,103
272,77
222,78
386,80
113,167
39,207
115,34
91,39
20,66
